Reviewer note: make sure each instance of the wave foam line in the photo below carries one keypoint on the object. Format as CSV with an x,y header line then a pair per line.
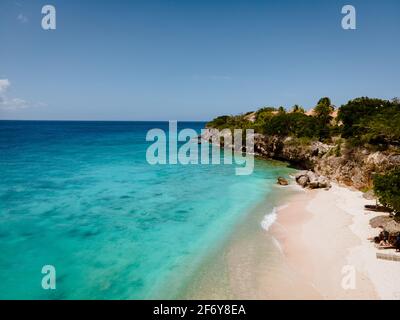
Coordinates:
x,y
270,218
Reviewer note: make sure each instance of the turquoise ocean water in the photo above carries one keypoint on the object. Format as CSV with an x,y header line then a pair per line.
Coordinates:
x,y
80,196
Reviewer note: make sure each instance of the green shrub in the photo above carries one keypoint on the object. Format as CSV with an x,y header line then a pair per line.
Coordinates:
x,y
292,124
371,121
374,123
387,189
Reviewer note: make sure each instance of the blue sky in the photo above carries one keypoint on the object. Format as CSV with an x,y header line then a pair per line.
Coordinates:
x,y
191,60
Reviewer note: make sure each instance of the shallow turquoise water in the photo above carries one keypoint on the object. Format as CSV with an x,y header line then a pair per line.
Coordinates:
x,y
80,196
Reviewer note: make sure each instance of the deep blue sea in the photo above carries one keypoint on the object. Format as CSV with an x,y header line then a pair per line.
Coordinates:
x,y
81,196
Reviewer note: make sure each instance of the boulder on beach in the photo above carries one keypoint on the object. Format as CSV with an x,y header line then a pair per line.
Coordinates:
x,y
379,221
282,181
319,182
303,181
309,179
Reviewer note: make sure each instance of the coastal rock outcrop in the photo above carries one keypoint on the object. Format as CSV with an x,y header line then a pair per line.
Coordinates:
x,y
303,155
303,181
308,179
350,166
282,181
356,166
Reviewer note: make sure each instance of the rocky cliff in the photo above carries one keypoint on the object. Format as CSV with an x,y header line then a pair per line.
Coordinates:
x,y
340,163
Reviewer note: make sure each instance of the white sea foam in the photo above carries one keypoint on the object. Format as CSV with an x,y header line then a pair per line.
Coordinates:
x,y
296,187
270,217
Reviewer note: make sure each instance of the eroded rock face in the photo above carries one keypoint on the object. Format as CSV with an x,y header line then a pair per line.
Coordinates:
x,y
349,166
356,167
288,149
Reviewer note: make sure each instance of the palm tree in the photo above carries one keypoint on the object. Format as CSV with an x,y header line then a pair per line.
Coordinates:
x,y
298,109
323,112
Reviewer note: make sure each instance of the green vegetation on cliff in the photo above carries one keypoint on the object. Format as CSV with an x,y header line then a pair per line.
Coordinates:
x,y
362,121
360,141
371,121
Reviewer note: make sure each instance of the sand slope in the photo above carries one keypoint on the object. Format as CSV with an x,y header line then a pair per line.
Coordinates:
x,y
323,235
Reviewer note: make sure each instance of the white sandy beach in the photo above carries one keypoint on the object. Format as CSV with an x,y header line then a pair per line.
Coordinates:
x,y
318,238
324,234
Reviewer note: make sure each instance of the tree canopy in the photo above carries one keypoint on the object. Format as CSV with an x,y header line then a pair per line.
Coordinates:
x,y
363,121
372,121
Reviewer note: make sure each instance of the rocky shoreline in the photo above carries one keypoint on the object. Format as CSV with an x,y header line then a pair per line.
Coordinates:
x,y
336,162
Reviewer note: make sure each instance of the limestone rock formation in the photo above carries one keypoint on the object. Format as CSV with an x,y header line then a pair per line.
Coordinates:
x,y
308,179
351,166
